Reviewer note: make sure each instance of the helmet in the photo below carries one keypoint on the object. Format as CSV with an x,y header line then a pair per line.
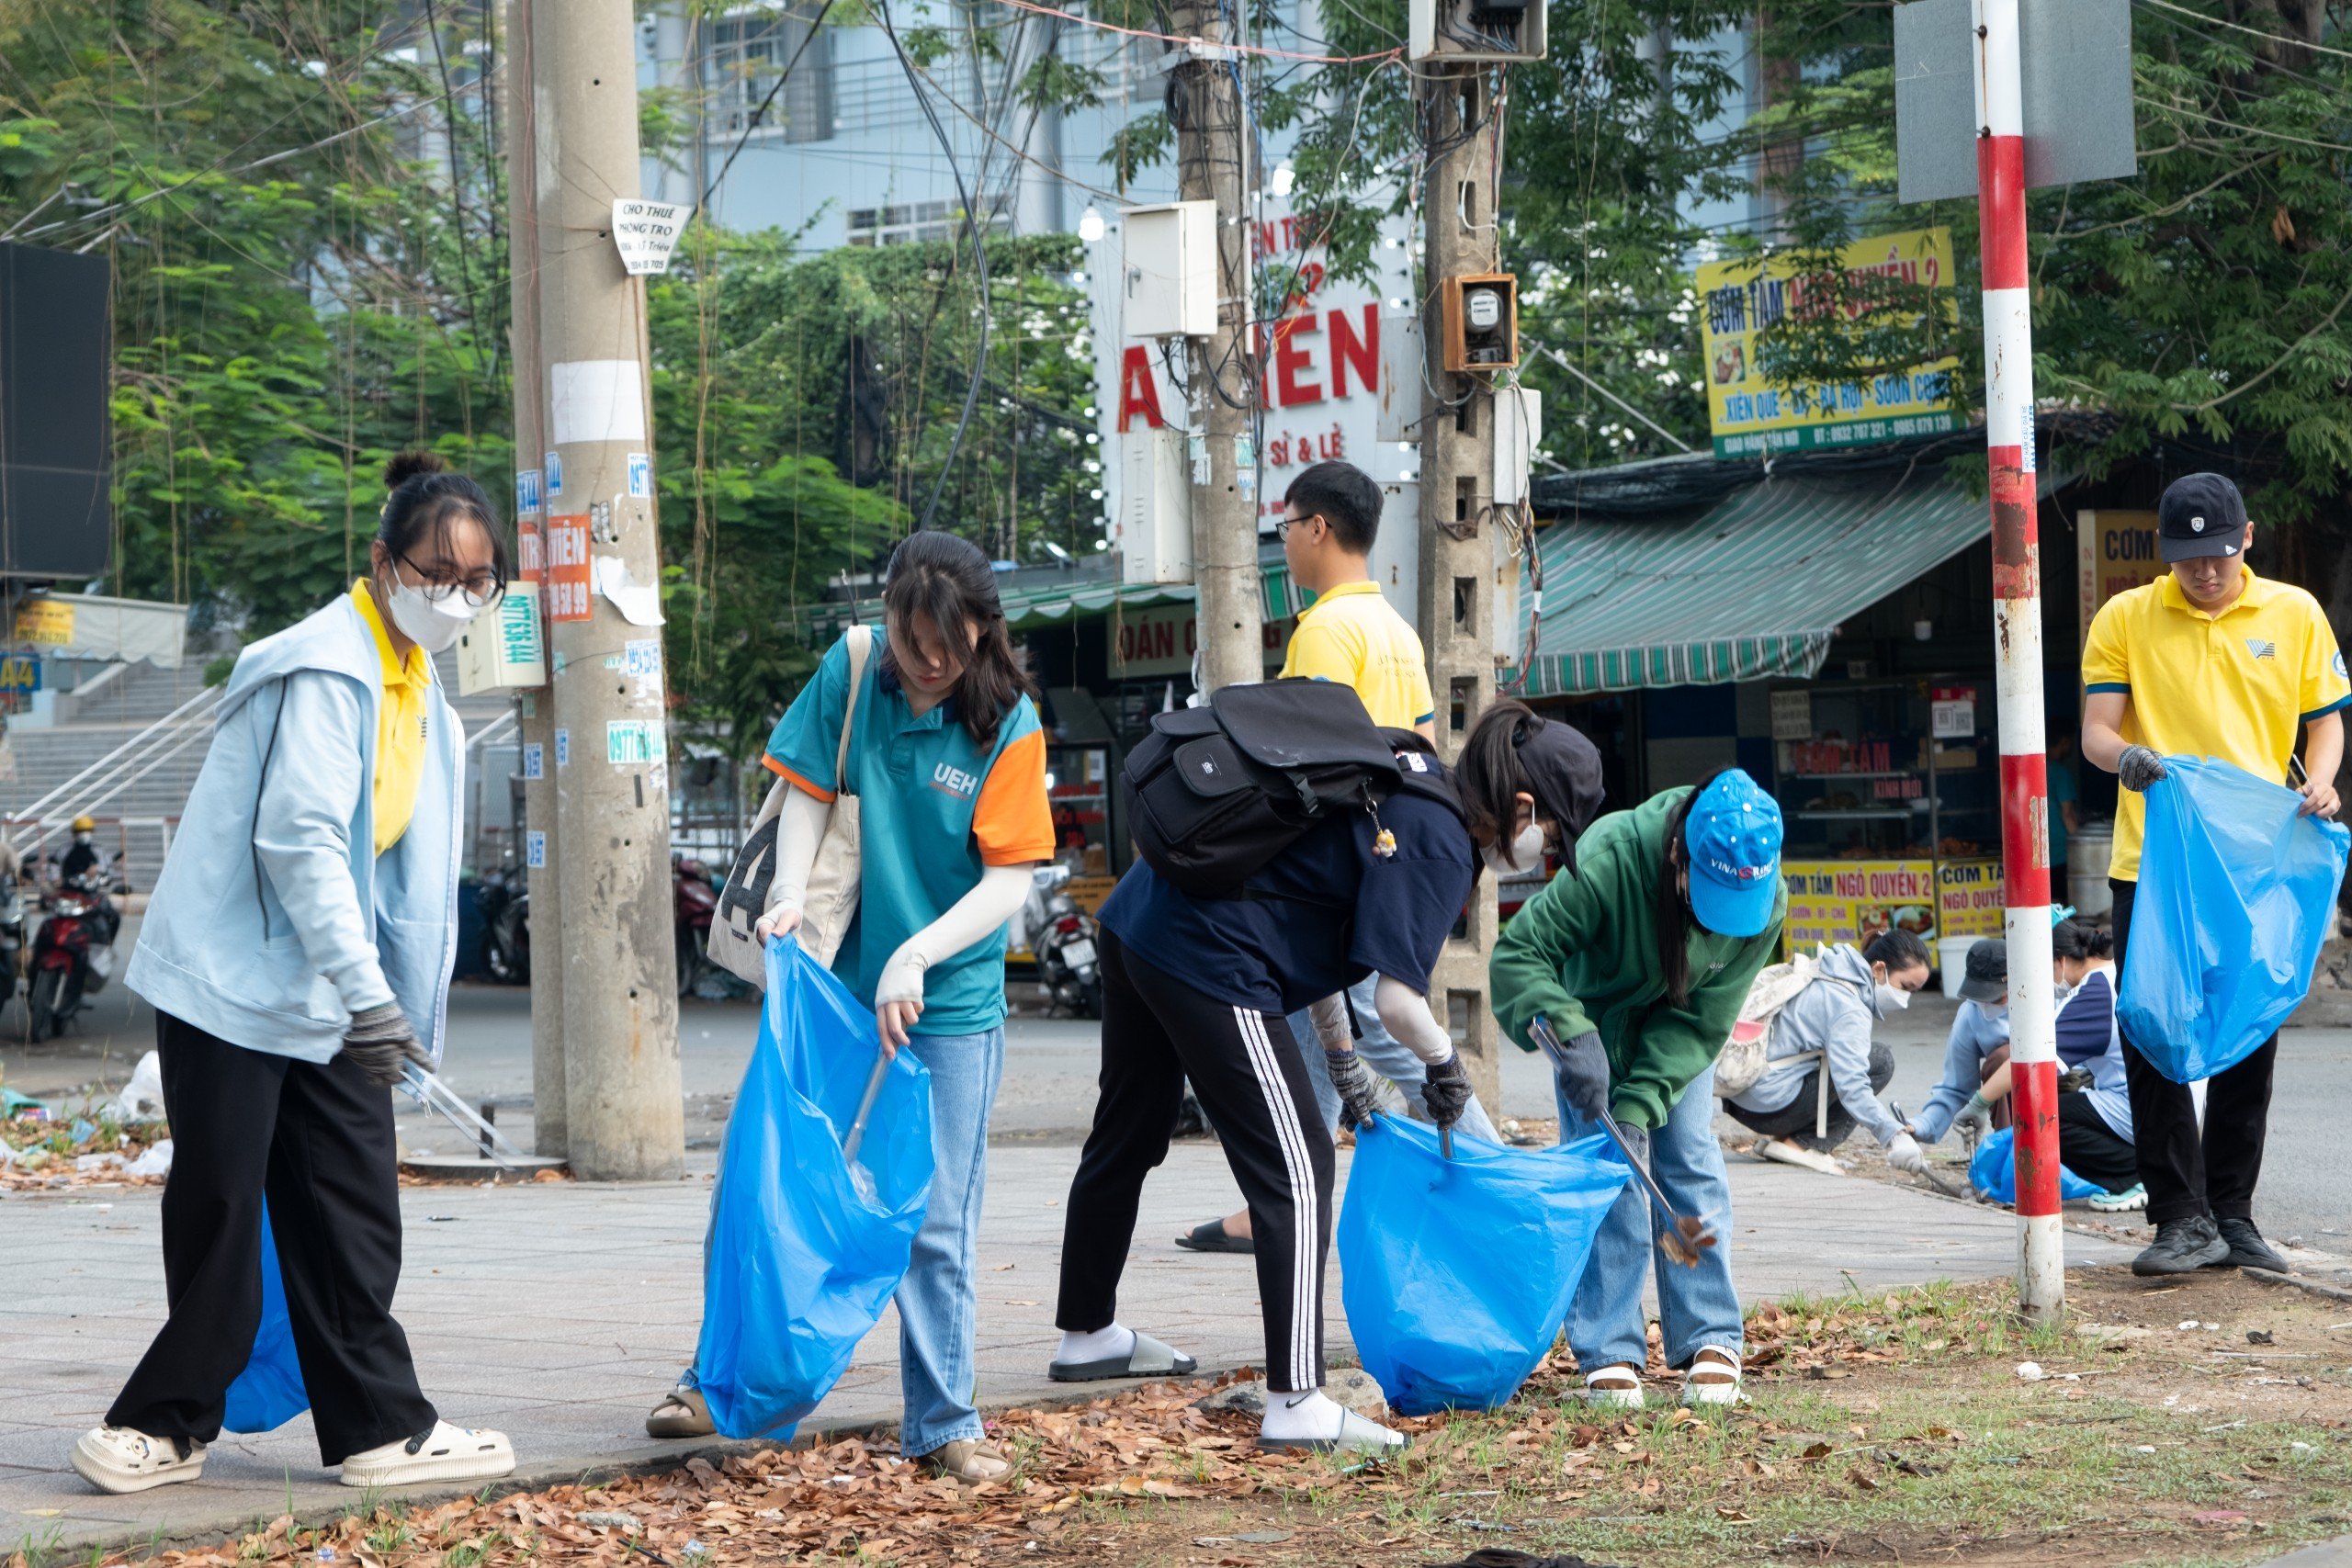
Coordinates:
x,y
86,824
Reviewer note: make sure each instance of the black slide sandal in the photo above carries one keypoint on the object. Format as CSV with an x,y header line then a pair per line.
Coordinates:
x,y
1212,1237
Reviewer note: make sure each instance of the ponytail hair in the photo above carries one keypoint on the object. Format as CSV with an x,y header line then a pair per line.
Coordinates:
x,y
947,579
423,499
1897,949
2073,939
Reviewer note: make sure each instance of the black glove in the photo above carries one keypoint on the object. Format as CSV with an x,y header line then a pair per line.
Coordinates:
x,y
2139,767
1358,1097
1582,1070
382,1043
1446,1095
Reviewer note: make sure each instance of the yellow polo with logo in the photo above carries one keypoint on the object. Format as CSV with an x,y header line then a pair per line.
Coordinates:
x,y
1353,635
399,725
2233,685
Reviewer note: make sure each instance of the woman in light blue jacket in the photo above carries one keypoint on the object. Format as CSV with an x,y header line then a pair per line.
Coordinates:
x,y
298,951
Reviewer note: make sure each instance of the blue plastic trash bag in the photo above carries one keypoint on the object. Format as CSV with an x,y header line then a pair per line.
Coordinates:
x,y
804,1252
2236,893
1457,1274
1993,1171
269,1393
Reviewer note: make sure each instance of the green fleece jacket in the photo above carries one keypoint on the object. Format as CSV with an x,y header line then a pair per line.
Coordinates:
x,y
1582,952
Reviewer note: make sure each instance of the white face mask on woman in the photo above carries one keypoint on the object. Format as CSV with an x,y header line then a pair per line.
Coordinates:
x,y
434,626
1526,852
1892,998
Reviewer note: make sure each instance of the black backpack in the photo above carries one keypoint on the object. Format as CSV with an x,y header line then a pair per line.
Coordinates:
x,y
1214,794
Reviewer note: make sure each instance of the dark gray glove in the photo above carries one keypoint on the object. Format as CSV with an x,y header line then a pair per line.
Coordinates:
x,y
1358,1096
1447,1093
2139,767
1582,1070
381,1042
1637,1141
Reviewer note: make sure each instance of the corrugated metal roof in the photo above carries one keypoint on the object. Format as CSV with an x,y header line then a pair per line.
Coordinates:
x,y
1052,603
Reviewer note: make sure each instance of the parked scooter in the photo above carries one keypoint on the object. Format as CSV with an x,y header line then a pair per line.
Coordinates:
x,y
73,955
12,935
697,900
1060,937
505,904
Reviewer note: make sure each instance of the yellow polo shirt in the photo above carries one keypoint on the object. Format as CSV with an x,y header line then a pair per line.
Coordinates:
x,y
1352,635
2233,685
399,725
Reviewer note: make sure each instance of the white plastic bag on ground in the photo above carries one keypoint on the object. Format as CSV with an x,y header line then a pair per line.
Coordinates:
x,y
156,1161
141,1098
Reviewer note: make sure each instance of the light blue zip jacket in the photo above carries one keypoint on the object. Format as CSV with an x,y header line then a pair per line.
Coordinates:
x,y
274,920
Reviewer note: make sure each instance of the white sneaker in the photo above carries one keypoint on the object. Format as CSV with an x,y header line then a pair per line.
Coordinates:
x,y
1787,1153
117,1460
446,1453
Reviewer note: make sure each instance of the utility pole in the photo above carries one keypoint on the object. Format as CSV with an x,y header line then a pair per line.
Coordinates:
x,y
549,1117
2017,610
624,1107
1223,382
1457,487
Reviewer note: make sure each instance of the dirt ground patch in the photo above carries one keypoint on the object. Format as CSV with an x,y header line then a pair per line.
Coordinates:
x,y
2201,1421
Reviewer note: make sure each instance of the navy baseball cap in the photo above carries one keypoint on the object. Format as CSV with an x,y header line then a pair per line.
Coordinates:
x,y
2200,515
1733,837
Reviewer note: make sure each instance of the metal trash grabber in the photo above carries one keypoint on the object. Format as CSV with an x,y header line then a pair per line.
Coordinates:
x,y
1684,1235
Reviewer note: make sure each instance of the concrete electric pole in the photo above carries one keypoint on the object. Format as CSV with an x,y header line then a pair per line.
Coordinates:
x,y
1457,471
549,1118
623,1110
1212,165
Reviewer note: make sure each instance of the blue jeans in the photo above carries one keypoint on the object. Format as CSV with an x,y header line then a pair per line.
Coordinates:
x,y
939,1298
1385,1055
1697,1307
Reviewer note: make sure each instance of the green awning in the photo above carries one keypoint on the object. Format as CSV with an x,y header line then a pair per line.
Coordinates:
x,y
1753,587
1051,604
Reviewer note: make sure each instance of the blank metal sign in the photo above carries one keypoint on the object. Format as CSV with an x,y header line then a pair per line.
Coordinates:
x,y
2075,59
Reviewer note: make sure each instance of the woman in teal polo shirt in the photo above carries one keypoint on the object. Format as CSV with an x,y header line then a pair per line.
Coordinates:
x,y
948,763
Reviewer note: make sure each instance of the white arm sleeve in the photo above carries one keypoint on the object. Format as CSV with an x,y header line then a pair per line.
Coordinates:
x,y
799,827
970,918
1332,1026
1407,1014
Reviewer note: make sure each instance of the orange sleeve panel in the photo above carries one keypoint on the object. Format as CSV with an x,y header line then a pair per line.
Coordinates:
x,y
796,780
1012,820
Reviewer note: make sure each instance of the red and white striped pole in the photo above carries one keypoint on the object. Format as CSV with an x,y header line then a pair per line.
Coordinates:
x,y
2017,610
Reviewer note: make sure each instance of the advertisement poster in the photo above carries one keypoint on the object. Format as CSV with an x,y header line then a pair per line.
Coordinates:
x,y
567,569
1852,901
1750,416
2114,551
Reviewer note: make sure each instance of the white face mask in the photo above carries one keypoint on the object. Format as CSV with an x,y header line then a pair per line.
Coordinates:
x,y
434,627
1893,998
1526,852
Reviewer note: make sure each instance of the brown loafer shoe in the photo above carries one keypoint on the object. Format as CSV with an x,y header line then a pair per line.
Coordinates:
x,y
968,1461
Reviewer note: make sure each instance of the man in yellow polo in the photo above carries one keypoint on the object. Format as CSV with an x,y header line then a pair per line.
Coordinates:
x,y
2209,661
1351,633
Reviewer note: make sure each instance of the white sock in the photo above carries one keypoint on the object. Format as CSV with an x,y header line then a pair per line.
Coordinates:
x,y
1102,1345
1311,1416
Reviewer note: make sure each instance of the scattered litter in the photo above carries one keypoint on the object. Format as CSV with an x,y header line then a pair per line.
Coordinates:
x,y
2301,1448
141,1098
2259,1336
2031,1371
2224,1427
618,1522
2188,1324
156,1161
323,1554
2145,1449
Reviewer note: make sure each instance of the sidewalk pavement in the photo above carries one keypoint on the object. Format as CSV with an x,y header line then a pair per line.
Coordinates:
x,y
559,1311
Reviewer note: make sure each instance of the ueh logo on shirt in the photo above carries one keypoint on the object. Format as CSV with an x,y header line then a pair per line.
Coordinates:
x,y
948,779
2260,648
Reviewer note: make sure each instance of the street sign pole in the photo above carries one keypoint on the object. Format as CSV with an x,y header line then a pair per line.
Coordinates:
x,y
2016,589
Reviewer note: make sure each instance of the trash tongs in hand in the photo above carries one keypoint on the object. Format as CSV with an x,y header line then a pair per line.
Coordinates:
x,y
1682,1236
428,1090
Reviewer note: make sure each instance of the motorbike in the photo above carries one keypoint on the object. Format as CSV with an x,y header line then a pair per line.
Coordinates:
x,y
73,955
1060,937
12,935
505,903
697,900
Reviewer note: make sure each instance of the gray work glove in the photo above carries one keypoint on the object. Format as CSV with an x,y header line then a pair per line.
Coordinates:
x,y
1447,1093
1583,1074
1904,1154
1637,1141
2139,767
382,1042
1358,1096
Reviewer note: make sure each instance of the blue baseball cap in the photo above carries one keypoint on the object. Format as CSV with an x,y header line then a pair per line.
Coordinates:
x,y
1733,837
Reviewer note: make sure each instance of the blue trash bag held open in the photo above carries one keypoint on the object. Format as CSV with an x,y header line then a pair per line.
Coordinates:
x,y
799,1263
1993,1170
2236,893
1457,1274
269,1393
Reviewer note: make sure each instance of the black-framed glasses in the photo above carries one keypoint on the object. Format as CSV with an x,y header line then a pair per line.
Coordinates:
x,y
1282,528
481,590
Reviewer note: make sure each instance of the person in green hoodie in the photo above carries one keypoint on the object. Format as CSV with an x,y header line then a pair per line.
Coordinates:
x,y
1640,960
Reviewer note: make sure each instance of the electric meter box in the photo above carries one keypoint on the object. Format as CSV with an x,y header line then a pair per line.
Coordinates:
x,y
1153,530
1475,31
1169,267
503,647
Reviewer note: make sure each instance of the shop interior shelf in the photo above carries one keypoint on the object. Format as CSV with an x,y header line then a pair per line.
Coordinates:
x,y
1891,773
1821,816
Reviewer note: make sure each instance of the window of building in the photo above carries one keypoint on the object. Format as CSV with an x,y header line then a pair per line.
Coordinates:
x,y
918,221
748,51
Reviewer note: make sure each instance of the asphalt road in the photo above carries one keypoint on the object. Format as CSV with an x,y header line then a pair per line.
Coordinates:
x,y
1049,1091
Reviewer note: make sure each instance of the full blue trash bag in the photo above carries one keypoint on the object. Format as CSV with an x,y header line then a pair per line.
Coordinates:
x,y
1457,1274
1993,1171
2236,893
804,1250
269,1393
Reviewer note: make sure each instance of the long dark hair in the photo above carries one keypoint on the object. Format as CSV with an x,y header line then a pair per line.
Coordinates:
x,y
2072,938
948,579
1486,776
1513,749
1897,949
426,499
1670,912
